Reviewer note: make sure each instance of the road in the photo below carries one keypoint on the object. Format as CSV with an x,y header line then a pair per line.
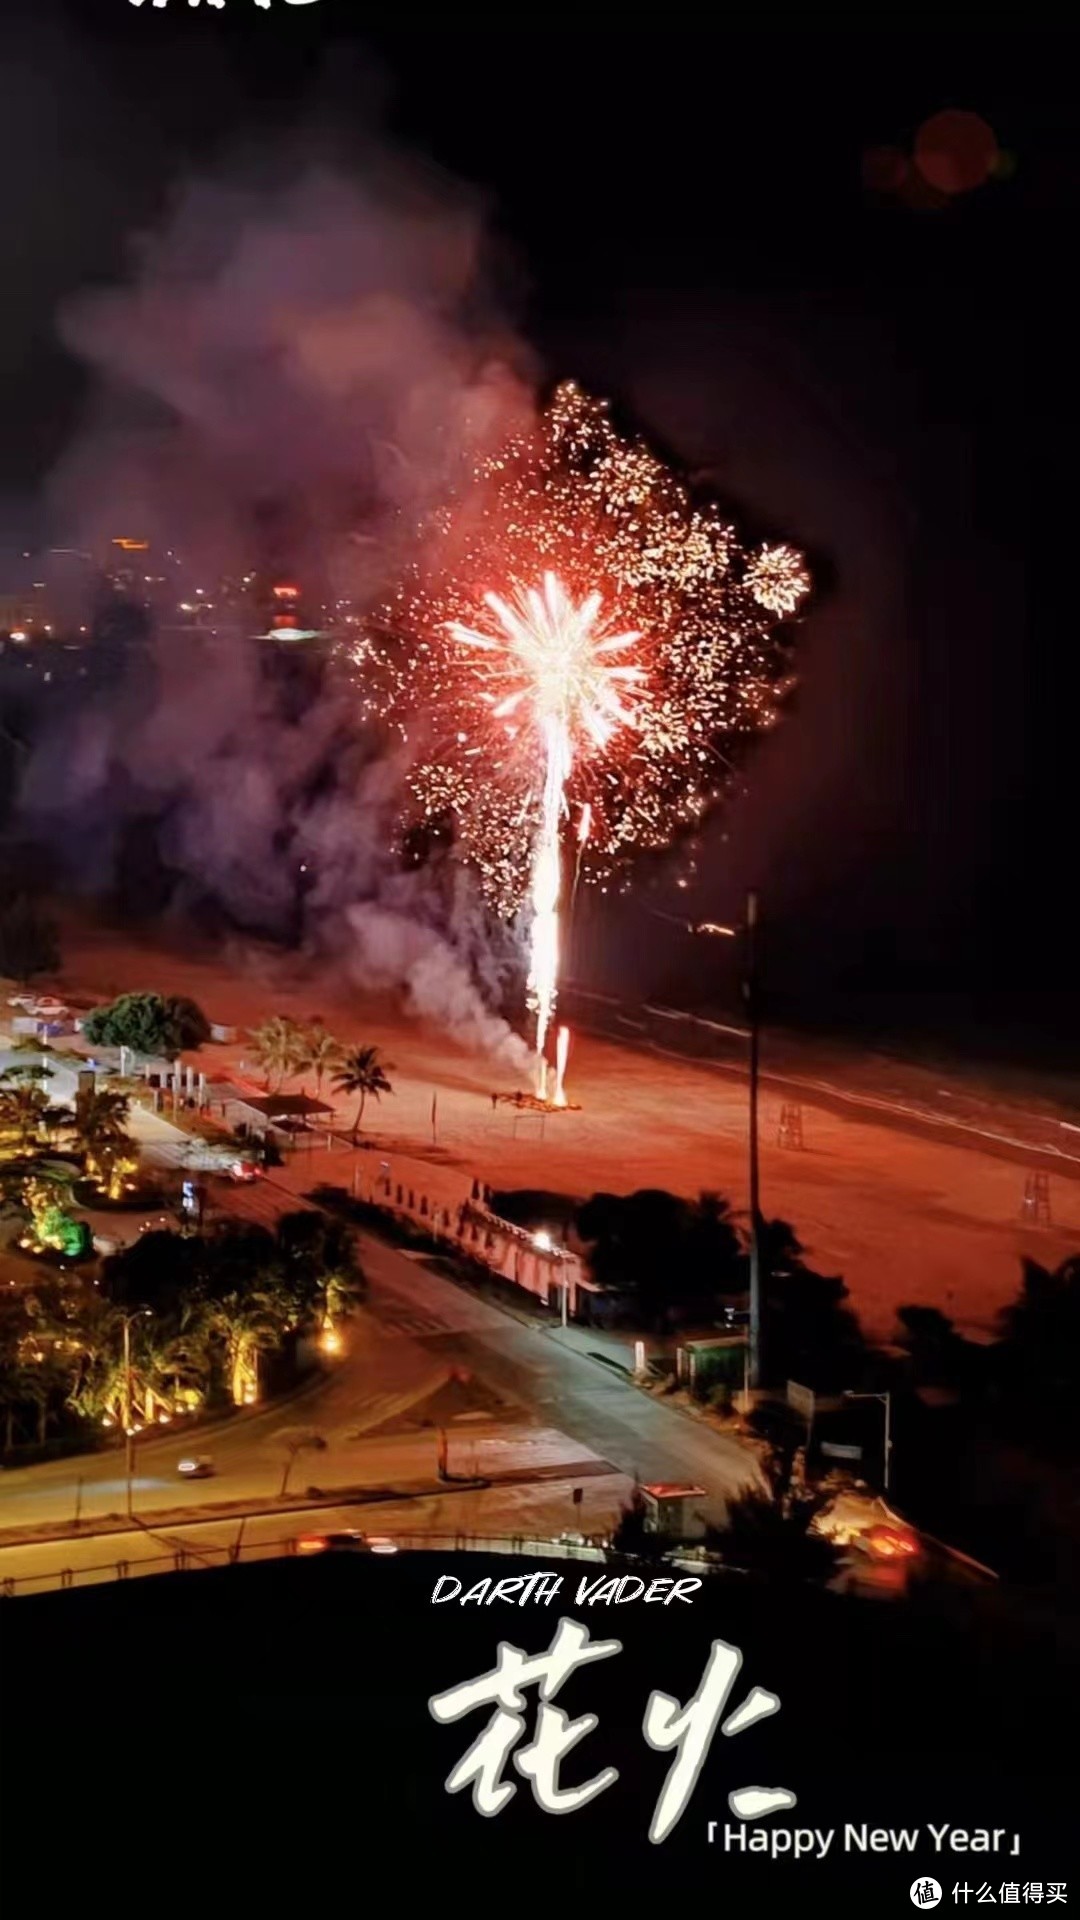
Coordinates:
x,y
555,1409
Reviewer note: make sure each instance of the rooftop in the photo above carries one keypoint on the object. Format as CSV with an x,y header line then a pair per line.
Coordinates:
x,y
674,1490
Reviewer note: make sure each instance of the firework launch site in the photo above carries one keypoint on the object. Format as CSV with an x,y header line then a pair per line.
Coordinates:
x,y
913,1192
539,1040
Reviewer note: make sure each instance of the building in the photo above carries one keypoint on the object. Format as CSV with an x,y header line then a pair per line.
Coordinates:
x,y
45,593
285,617
285,1113
673,1510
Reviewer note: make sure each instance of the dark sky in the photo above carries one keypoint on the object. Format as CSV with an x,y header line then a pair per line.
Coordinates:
x,y
680,216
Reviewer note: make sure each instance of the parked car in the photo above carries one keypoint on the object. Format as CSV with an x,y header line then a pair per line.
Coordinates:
x,y
48,1007
244,1172
28,1001
198,1466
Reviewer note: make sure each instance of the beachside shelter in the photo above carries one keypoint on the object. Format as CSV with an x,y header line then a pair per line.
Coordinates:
x,y
260,1112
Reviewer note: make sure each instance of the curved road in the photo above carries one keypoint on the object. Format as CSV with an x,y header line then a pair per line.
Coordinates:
x,y
564,1408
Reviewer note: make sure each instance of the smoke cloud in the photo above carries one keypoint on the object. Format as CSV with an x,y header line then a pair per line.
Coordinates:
x,y
294,371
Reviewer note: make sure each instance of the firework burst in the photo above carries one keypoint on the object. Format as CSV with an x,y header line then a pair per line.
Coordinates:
x,y
777,579
580,648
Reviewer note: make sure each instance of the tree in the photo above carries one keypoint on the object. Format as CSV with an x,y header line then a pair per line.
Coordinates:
x,y
106,1145
23,1105
189,1023
361,1072
29,940
808,1334
632,1536
278,1046
1038,1362
244,1306
40,1353
667,1254
296,1440
150,1023
940,1357
15,1364
318,1052
770,1528
160,1271
100,1115
318,1264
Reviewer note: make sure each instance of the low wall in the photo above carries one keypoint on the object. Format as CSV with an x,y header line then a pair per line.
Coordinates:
x,y
509,1250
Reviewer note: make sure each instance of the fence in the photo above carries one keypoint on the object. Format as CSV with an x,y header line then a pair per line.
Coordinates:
x,y
508,1251
666,1029
188,1559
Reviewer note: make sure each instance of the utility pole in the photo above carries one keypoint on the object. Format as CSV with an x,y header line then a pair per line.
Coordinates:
x,y
886,1401
749,931
750,998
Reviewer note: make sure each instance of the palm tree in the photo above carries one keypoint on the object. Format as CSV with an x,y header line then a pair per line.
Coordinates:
x,y
319,1052
295,1440
245,1324
99,1119
106,1145
278,1046
361,1071
21,1110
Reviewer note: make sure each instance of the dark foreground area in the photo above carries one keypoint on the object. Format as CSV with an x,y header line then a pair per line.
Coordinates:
x,y
263,1732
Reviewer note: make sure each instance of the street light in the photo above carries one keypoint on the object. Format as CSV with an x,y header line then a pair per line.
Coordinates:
x,y
750,998
129,1431
886,1401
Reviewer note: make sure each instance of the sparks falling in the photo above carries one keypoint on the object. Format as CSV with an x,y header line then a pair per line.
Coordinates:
x,y
580,649
552,664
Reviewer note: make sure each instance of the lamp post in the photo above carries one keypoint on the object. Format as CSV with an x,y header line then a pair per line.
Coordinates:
x,y
750,998
129,1431
749,931
886,1401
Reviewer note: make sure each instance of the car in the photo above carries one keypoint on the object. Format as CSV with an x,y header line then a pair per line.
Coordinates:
x,y
889,1543
587,1546
244,1171
48,1007
28,1001
345,1540
196,1466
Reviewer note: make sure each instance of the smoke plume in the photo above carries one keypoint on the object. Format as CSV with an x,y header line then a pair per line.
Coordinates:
x,y
293,372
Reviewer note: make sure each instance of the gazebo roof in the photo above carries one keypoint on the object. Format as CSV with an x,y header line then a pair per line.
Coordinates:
x,y
275,1106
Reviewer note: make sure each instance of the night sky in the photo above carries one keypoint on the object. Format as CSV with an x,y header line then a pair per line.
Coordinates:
x,y
681,218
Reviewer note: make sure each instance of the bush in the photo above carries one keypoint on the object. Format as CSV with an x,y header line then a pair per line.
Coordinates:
x,y
150,1023
770,1528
